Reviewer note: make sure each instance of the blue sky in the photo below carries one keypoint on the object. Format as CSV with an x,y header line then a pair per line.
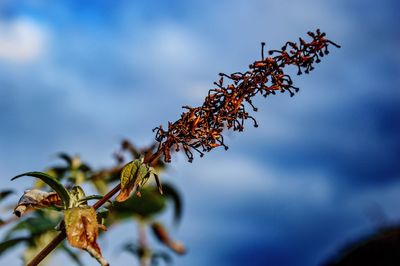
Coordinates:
x,y
78,76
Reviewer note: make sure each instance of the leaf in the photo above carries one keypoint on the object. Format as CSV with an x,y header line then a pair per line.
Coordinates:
x,y
127,174
36,244
37,199
136,250
77,193
160,255
82,231
133,176
53,183
171,193
66,158
84,168
162,235
100,185
5,193
4,246
75,163
143,175
102,214
58,172
39,224
149,204
127,145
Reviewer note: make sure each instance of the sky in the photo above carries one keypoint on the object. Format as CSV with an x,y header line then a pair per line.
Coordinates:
x,y
79,76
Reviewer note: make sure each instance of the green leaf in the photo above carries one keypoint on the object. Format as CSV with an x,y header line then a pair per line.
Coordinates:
x,y
76,194
149,204
100,185
57,171
160,255
171,193
133,249
102,214
39,224
5,193
4,246
66,158
128,179
53,183
85,168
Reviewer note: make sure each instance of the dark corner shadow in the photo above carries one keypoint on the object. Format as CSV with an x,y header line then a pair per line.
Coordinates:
x,y
382,248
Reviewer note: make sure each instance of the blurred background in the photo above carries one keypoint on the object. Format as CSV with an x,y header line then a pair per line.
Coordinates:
x,y
322,169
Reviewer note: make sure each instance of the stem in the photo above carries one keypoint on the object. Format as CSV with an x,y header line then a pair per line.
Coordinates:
x,y
106,197
61,236
144,258
47,249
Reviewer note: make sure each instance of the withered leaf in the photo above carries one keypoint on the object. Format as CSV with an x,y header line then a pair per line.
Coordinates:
x,y
162,235
36,198
51,182
82,231
133,176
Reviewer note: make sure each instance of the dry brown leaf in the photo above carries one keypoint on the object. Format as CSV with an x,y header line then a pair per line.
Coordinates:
x,y
162,235
82,231
36,198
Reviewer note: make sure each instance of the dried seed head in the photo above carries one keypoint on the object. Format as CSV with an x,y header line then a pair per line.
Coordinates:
x,y
199,129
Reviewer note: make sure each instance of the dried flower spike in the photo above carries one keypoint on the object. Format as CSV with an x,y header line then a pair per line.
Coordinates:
x,y
199,129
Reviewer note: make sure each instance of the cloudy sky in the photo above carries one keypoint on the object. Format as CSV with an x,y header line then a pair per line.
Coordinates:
x,y
78,77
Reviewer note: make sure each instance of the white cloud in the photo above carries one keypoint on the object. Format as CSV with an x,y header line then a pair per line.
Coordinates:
x,y
22,40
243,177
167,47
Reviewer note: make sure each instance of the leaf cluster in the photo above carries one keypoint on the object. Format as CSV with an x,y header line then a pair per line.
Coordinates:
x,y
57,202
